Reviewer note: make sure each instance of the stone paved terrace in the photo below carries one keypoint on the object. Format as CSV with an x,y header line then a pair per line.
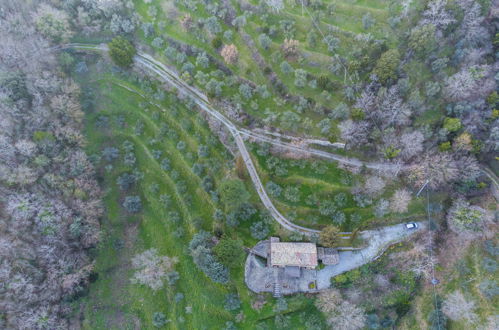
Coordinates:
x,y
259,277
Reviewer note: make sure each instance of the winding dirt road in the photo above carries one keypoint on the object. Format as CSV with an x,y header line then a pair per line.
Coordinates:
x,y
201,100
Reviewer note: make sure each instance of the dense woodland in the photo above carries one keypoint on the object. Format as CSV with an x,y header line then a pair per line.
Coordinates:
x,y
121,205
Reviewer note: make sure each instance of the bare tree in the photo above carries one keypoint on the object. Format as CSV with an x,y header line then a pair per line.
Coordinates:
x,y
354,133
457,308
400,200
340,314
374,185
275,5
152,269
230,54
438,169
437,14
411,144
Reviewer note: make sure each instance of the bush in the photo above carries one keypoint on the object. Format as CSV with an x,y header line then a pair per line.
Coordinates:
x,y
286,68
122,51
229,252
259,230
126,181
489,288
233,193
265,41
387,65
232,302
132,204
274,189
216,42
159,319
329,236
452,124
324,82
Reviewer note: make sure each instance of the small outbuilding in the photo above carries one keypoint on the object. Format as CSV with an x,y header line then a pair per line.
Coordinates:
x,y
328,256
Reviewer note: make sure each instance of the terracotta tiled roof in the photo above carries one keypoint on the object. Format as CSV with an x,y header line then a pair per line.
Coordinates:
x,y
293,254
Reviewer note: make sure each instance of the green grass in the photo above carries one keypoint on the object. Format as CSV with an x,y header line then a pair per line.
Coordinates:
x,y
113,301
346,21
325,180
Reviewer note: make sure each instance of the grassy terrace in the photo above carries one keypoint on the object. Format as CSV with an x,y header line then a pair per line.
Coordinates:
x,y
118,113
316,182
344,23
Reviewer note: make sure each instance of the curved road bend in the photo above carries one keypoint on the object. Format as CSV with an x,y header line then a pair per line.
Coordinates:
x,y
202,101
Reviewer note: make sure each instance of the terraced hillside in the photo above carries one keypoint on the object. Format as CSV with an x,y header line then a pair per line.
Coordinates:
x,y
303,85
315,193
175,164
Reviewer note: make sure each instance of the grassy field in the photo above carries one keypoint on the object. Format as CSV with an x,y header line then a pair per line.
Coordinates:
x,y
115,112
341,19
318,181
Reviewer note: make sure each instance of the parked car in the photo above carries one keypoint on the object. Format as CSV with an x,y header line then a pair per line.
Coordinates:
x,y
411,225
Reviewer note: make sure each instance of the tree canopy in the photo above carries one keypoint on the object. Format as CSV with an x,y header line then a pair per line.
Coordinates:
x,y
122,51
329,236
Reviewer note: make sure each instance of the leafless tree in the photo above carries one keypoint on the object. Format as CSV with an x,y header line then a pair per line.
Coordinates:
x,y
400,200
437,14
275,5
44,234
354,133
340,314
457,308
152,269
439,169
411,144
230,54
374,185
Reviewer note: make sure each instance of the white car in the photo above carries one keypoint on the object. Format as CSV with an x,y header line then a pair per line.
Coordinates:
x,y
411,225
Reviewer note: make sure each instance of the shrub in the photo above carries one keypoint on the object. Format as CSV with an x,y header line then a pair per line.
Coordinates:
x,y
357,114
331,43
368,21
324,82
300,78
452,124
329,236
216,42
132,204
286,68
292,194
159,319
232,302
259,230
125,181
387,65
265,41
110,153
246,91
273,188
122,51
229,252
489,288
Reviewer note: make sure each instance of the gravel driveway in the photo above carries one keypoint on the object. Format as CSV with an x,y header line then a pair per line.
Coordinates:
x,y
378,239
